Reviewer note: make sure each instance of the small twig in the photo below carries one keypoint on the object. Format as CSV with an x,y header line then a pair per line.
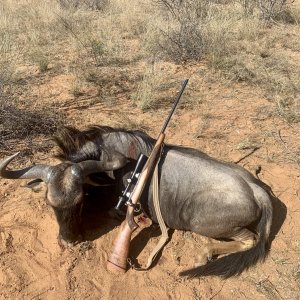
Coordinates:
x,y
283,142
261,282
69,27
248,154
218,292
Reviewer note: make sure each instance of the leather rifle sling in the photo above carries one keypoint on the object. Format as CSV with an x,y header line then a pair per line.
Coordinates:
x,y
164,229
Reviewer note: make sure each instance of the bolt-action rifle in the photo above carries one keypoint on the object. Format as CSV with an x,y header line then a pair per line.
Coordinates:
x,y
117,261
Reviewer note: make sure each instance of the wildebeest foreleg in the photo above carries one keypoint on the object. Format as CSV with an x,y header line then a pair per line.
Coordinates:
x,y
243,239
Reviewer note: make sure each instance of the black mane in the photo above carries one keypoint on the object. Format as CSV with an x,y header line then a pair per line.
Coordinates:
x,y
74,144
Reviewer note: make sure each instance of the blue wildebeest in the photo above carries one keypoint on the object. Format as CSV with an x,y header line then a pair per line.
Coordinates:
x,y
198,193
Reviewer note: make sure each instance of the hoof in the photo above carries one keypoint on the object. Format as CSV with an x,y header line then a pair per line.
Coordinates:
x,y
205,257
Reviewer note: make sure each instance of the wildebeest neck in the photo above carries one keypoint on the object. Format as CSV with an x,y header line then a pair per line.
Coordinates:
x,y
128,144
76,145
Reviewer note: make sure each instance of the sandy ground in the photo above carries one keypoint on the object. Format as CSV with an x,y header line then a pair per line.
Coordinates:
x,y
227,124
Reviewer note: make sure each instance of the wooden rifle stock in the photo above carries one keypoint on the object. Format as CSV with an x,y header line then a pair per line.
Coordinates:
x,y
117,261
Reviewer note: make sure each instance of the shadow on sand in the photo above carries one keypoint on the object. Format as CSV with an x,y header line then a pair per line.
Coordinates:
x,y
96,220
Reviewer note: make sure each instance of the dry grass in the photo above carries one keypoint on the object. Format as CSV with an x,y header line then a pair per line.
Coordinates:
x,y
239,38
86,4
130,122
150,90
105,43
19,126
26,30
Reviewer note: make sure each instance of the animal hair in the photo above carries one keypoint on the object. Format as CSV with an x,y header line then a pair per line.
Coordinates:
x,y
76,146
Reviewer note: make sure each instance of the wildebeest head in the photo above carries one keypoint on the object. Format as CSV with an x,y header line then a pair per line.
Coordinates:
x,y
64,188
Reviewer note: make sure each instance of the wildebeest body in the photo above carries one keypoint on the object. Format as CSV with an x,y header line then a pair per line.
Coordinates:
x,y
201,194
198,193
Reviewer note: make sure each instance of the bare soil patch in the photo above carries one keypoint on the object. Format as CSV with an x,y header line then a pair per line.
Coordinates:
x,y
227,122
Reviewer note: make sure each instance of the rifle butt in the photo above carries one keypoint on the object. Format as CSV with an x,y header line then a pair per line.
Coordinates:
x,y
117,261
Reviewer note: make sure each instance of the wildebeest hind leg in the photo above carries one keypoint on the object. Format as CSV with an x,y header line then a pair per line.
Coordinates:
x,y
243,239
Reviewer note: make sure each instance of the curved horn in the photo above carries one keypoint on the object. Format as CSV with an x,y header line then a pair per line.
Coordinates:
x,y
33,172
94,166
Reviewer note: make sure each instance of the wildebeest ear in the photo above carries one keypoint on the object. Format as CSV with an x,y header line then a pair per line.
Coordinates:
x,y
34,185
116,162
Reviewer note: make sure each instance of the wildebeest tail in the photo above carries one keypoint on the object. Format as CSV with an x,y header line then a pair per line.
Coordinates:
x,y
234,264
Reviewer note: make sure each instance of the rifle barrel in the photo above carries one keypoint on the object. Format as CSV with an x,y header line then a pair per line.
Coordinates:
x,y
184,83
